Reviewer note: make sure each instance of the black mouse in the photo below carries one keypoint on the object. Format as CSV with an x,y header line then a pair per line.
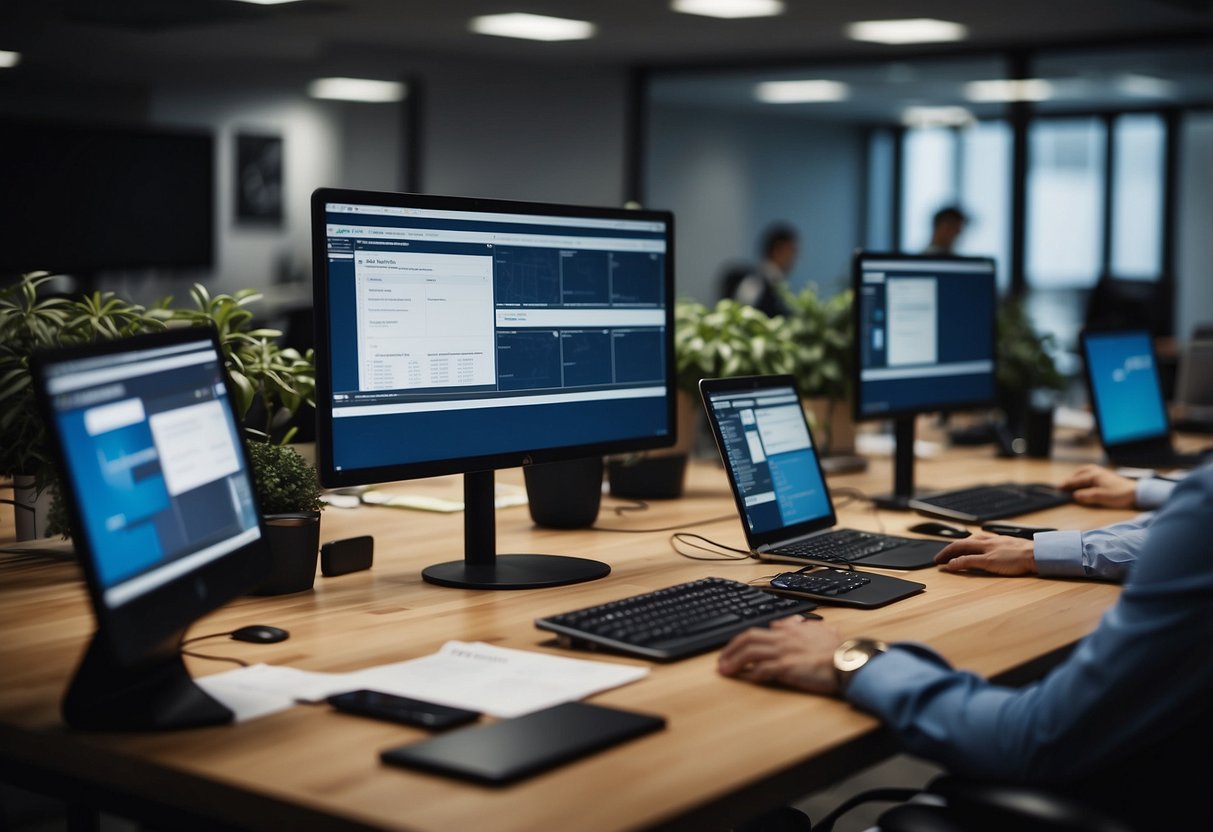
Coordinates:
x,y
940,530
260,634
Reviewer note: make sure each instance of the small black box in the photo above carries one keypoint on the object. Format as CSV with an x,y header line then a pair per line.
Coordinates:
x,y
352,554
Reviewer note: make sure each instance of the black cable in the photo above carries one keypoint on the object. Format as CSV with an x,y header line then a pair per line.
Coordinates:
x,y
633,505
240,662
186,641
706,522
687,538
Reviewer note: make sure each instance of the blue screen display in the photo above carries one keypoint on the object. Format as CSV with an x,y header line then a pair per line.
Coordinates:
x,y
457,334
925,335
1124,386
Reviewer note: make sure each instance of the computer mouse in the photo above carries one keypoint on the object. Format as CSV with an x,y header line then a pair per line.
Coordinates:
x,y
260,634
940,530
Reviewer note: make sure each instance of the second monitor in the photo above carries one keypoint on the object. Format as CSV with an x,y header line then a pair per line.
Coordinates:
x,y
924,342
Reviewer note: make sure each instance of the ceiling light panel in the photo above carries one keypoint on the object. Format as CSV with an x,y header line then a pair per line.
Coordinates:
x,y
268,2
922,116
729,9
1008,90
357,89
532,27
801,92
8,59
910,30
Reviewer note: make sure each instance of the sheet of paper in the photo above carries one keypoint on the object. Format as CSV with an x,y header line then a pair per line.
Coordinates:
x,y
497,680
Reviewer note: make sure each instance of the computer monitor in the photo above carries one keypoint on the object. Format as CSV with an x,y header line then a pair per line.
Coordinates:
x,y
924,342
459,335
164,517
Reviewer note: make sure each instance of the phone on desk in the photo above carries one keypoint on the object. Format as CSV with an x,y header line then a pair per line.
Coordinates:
x,y
402,709
1015,530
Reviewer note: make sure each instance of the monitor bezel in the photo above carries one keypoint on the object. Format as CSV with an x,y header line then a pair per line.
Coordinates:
x,y
333,478
857,259
149,626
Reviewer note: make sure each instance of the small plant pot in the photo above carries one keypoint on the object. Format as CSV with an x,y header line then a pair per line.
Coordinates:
x,y
648,477
294,543
564,495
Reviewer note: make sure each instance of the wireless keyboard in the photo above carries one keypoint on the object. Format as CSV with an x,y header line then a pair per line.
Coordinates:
x,y
845,587
983,503
674,622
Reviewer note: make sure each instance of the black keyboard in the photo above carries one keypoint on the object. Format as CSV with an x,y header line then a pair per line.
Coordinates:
x,y
845,587
842,546
829,582
982,503
674,622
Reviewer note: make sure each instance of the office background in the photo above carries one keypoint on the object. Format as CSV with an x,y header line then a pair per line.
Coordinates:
x,y
1109,173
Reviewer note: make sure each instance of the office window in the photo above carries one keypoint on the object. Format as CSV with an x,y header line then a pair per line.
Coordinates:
x,y
929,182
985,194
1137,184
880,198
1065,202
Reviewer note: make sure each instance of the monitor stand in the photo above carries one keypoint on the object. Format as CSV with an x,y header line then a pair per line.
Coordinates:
x,y
156,695
483,568
903,467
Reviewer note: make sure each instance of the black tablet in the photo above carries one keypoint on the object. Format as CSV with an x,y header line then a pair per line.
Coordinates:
x,y
511,749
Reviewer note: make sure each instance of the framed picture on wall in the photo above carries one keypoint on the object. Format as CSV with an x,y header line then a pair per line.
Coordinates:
x,y
258,185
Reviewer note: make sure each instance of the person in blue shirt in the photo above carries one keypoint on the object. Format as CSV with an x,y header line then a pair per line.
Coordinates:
x,y
1106,553
1124,722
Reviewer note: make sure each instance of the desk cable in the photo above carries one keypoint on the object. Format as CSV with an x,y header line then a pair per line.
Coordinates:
x,y
190,653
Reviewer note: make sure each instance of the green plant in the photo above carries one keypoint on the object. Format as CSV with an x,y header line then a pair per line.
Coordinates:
x,y
822,332
730,339
1025,356
285,481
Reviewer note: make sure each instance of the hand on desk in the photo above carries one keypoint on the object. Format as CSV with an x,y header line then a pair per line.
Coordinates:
x,y
795,652
997,554
1093,485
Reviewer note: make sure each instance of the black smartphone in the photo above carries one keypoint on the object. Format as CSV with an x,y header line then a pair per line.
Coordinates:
x,y
1015,530
401,709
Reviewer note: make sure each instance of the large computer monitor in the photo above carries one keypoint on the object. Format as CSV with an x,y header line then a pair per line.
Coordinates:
x,y
164,517
458,335
924,342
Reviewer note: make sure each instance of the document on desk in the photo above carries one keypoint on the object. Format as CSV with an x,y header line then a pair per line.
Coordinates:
x,y
498,681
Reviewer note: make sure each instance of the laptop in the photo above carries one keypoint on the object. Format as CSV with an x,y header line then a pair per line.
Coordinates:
x,y
786,510
1126,397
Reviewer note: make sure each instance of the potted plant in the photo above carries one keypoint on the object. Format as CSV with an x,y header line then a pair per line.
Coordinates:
x,y
1027,375
729,339
289,492
822,332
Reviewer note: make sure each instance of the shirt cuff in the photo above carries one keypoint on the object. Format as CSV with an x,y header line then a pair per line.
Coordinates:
x,y
901,667
1152,492
1058,554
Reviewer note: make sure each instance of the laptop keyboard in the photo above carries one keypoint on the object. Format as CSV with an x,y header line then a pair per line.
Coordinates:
x,y
674,622
828,582
842,546
991,502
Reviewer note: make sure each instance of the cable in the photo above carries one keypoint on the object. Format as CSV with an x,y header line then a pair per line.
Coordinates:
x,y
186,641
688,538
240,662
706,522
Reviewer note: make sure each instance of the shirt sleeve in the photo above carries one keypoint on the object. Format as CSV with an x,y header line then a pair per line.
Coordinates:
x,y
1093,705
1152,492
1106,553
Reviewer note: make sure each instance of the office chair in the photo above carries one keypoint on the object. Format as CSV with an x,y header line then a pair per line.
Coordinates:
x,y
956,804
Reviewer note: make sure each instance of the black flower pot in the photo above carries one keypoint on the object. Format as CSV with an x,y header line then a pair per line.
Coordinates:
x,y
564,495
648,477
294,544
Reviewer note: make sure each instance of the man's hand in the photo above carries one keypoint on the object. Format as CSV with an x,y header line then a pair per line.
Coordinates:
x,y
1093,485
997,554
795,652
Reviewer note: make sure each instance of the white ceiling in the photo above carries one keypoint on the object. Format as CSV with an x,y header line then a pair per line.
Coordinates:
x,y
129,40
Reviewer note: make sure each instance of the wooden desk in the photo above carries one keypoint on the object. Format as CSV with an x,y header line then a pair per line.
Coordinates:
x,y
731,748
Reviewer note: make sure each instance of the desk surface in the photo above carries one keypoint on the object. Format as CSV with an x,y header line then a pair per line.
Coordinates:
x,y
730,747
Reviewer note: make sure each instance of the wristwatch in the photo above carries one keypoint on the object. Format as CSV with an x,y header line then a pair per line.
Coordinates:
x,y
853,654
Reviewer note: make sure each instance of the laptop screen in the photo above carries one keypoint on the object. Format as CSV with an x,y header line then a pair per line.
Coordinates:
x,y
1124,384
768,453
152,451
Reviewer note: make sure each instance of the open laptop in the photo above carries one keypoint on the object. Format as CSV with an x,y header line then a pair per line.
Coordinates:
x,y
1126,397
777,480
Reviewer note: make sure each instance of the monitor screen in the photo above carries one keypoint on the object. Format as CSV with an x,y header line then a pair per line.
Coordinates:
x,y
461,335
83,199
924,334
160,493
1125,390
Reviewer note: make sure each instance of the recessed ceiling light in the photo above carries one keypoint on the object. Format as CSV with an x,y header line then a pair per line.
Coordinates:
x,y
532,27
936,117
268,2
1008,90
357,89
729,9
8,59
1145,86
800,92
910,30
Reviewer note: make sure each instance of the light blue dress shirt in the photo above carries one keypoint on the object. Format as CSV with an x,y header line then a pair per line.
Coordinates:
x,y
1145,668
1106,552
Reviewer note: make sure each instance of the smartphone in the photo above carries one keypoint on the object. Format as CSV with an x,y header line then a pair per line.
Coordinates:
x,y
401,709
1014,530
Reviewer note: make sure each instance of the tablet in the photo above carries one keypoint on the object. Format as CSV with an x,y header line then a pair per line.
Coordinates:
x,y
512,749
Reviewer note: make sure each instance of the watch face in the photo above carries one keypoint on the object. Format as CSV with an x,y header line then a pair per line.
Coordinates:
x,y
852,657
